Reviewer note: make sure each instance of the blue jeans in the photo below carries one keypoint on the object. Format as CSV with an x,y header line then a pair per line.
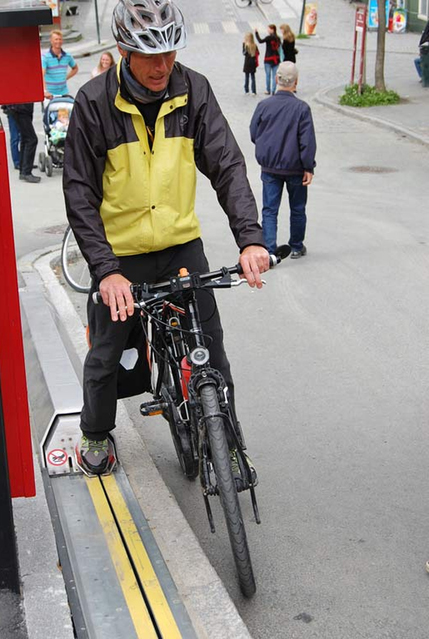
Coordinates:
x,y
15,139
271,198
270,77
252,82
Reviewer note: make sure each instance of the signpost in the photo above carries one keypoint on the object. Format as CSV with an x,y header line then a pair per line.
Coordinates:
x,y
360,27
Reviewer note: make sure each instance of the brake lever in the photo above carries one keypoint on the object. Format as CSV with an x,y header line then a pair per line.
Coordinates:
x,y
243,281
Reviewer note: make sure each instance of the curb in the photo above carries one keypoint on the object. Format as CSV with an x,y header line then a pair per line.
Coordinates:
x,y
207,601
321,97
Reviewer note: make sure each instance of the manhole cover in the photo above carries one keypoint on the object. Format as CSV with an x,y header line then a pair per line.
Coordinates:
x,y
371,169
58,229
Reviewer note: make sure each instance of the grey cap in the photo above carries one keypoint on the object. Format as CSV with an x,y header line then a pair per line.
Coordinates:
x,y
287,74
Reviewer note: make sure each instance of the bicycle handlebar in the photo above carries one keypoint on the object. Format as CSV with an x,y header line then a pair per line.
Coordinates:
x,y
193,281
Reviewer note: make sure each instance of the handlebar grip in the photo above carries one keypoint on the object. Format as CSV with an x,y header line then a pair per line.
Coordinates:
x,y
282,252
96,297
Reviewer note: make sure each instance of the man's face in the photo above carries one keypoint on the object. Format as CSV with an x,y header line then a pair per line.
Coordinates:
x,y
56,42
151,71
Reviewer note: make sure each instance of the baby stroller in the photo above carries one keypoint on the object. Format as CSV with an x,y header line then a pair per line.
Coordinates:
x,y
55,123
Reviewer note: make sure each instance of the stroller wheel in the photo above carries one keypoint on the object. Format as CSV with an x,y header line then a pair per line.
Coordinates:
x,y
42,158
48,166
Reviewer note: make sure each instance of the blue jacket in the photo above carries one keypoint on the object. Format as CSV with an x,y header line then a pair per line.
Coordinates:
x,y
283,133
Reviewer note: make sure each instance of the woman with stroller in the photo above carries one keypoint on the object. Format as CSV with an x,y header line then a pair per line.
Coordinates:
x,y
272,57
251,55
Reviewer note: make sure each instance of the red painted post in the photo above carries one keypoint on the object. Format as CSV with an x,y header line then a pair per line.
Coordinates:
x,y
20,81
12,368
363,50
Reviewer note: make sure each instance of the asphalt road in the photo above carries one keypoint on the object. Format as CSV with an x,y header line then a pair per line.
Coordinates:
x,y
331,369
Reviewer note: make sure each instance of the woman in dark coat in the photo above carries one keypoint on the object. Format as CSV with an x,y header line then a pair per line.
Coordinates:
x,y
288,44
251,55
272,57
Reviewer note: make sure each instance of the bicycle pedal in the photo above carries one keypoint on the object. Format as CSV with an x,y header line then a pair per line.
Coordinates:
x,y
148,409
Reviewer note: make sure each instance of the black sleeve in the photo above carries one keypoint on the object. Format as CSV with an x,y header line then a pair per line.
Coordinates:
x,y
218,156
85,156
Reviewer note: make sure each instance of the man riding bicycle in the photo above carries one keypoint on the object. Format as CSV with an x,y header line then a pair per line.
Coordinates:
x,y
136,136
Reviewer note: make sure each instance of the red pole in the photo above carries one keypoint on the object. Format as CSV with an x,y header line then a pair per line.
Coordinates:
x,y
12,368
362,53
352,79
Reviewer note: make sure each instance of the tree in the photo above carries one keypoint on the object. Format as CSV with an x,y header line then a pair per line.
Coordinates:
x,y
381,47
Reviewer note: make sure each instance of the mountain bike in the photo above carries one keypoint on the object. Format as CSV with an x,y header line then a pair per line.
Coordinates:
x,y
193,397
247,3
75,268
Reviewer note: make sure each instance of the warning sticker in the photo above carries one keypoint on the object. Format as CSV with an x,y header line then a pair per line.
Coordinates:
x,y
57,457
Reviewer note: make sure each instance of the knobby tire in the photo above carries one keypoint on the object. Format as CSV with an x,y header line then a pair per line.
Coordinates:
x,y
227,489
76,277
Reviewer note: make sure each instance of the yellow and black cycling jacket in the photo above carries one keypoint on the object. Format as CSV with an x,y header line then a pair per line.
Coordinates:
x,y
124,198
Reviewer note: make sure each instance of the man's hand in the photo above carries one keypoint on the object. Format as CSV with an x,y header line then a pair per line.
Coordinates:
x,y
306,180
115,292
254,260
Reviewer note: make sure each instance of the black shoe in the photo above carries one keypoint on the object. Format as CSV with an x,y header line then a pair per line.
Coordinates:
x,y
235,467
96,457
33,179
296,253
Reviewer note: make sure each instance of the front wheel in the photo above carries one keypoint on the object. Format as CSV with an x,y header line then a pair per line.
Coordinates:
x,y
41,162
266,1
75,268
227,489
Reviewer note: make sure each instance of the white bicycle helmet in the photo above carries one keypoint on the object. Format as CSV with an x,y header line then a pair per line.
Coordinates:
x,y
148,26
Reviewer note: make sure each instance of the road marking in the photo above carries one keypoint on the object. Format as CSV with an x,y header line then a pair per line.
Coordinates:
x,y
230,27
201,27
133,596
142,564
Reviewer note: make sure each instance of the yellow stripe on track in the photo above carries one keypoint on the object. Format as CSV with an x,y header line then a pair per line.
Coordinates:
x,y
152,588
136,605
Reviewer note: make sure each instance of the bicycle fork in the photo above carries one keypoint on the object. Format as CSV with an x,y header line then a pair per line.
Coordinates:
x,y
213,377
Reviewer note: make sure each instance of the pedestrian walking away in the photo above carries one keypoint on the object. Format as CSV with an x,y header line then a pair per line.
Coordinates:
x,y
285,147
271,58
251,62
23,116
58,66
288,44
137,134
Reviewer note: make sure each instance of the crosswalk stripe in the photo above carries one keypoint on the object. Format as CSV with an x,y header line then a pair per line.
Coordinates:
x,y
230,27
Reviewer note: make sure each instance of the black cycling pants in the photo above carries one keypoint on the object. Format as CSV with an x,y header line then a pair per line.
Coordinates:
x,y
108,338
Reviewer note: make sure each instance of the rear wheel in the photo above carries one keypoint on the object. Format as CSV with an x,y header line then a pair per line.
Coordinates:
x,y
49,166
180,432
266,1
75,268
243,3
227,489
